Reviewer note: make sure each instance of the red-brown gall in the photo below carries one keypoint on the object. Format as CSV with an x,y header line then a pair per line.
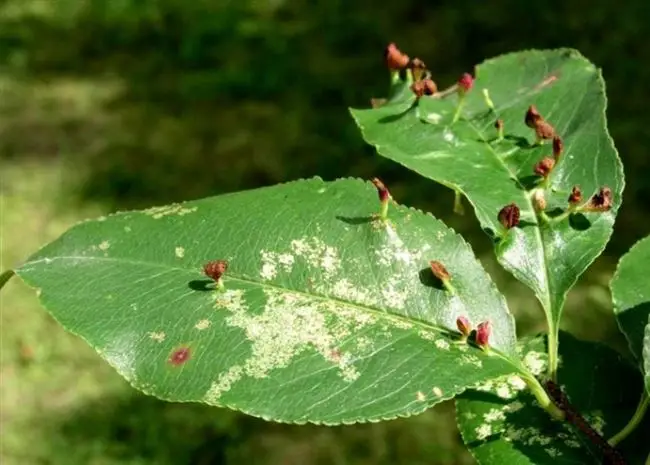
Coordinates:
x,y
483,331
215,270
509,216
395,59
544,166
464,326
418,68
576,196
558,147
465,83
384,197
439,270
424,87
601,201
532,117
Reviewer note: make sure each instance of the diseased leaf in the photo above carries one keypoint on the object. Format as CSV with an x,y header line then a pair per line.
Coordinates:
x,y
568,91
631,297
501,423
326,314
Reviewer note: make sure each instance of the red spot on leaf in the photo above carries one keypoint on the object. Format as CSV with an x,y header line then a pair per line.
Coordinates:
x,y
179,356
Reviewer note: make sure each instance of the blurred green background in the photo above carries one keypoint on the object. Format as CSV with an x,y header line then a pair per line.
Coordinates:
x,y
116,104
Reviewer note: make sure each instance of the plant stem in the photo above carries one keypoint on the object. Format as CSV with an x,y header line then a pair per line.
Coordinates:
x,y
5,276
458,203
542,397
644,403
459,108
552,350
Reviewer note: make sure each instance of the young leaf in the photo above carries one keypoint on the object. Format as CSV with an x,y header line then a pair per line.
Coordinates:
x,y
492,172
631,297
323,313
501,423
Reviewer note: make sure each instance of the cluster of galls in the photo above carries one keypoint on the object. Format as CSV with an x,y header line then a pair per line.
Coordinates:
x,y
481,334
396,62
601,201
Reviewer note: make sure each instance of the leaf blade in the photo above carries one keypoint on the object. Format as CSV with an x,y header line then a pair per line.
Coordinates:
x,y
327,316
569,92
631,299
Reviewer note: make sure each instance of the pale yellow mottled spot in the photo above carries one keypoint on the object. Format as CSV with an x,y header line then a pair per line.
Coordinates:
x,y
437,391
104,246
203,324
483,432
420,396
180,252
157,336
174,209
127,228
442,344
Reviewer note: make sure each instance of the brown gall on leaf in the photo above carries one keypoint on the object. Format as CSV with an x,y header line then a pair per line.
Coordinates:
x,y
544,131
532,117
179,356
483,331
576,196
215,270
384,197
418,68
601,201
464,326
424,87
441,273
544,167
439,270
395,59
558,147
509,216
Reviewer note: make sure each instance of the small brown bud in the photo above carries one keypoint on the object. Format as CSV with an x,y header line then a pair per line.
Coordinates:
x,y
601,201
539,201
483,333
532,117
395,59
215,269
558,147
576,195
509,216
544,167
465,83
463,325
424,87
439,270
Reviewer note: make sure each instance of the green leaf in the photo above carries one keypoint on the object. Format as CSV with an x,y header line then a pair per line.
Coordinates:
x,y
501,423
569,92
327,315
631,297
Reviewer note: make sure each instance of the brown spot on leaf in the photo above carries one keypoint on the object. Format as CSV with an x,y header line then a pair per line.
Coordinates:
x,y
601,201
548,80
179,356
576,195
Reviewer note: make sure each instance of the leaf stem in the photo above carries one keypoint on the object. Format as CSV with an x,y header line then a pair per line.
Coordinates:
x,y
542,396
459,108
641,409
6,276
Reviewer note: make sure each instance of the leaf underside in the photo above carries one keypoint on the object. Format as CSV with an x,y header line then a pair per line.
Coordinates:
x,y
569,93
502,423
631,297
327,315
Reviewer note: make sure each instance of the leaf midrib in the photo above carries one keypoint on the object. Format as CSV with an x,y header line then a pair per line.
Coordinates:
x,y
529,205
241,278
